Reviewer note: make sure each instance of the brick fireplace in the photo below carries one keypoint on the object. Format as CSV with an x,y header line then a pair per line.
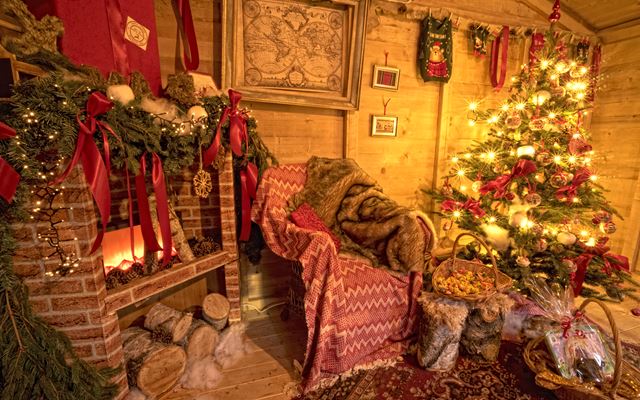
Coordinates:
x,y
80,305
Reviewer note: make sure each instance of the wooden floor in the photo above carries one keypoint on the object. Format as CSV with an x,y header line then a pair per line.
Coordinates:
x,y
263,373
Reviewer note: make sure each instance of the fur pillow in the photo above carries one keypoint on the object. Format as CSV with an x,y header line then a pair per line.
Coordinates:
x,y
306,217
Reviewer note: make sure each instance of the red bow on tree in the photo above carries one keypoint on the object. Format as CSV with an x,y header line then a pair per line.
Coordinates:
x,y
501,183
10,177
473,206
569,192
611,262
237,137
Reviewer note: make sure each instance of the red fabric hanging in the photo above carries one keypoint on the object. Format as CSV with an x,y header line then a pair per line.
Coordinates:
x,y
502,39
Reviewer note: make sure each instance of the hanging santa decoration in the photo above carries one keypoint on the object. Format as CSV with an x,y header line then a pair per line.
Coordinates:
x,y
435,53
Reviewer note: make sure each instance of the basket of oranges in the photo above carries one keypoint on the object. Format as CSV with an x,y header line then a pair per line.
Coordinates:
x,y
469,280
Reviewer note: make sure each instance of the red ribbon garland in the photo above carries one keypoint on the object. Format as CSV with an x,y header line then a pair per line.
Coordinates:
x,y
537,44
117,28
191,56
95,171
501,183
611,262
569,192
495,49
473,206
162,207
10,177
237,137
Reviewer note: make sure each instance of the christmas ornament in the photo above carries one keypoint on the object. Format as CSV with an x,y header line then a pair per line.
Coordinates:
x,y
562,67
518,218
636,311
582,52
513,120
197,114
123,94
540,178
478,37
556,248
569,265
510,196
555,15
566,238
523,261
435,52
608,228
537,124
475,186
601,216
202,181
540,97
541,245
525,151
533,199
559,179
544,158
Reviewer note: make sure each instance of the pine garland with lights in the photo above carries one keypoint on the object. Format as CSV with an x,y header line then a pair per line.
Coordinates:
x,y
530,189
43,112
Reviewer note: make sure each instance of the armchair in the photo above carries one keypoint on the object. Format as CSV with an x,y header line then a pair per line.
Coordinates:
x,y
355,314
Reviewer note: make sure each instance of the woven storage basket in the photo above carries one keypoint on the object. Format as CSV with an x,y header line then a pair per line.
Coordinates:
x,y
446,268
626,378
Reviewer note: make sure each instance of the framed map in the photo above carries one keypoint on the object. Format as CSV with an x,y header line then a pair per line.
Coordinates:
x,y
303,52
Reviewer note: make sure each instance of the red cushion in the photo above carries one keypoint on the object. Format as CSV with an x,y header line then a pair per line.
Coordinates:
x,y
306,217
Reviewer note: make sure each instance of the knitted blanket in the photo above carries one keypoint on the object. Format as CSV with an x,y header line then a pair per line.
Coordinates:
x,y
367,221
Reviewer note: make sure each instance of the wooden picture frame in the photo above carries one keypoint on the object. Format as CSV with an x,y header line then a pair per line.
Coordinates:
x,y
299,52
385,77
384,125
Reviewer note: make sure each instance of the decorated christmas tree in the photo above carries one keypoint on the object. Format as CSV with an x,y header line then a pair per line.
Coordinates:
x,y
531,189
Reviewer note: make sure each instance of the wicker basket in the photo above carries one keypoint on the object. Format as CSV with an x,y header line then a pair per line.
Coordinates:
x,y
446,268
626,378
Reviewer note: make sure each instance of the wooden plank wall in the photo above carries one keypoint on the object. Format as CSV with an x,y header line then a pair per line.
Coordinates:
x,y
432,122
615,127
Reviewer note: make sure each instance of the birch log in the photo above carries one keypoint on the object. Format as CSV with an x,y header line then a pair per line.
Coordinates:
x,y
177,233
200,341
483,332
215,310
169,322
152,366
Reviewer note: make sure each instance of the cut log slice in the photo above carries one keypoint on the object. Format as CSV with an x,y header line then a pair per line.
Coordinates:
x,y
168,321
215,310
152,366
200,341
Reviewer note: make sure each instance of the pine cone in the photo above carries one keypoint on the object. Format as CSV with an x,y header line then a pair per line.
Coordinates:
x,y
115,278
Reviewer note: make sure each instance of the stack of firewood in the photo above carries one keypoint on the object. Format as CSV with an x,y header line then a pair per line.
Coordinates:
x,y
156,356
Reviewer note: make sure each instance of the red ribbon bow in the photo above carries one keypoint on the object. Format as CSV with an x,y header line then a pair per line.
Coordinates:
x,y
237,137
473,206
95,171
569,192
567,322
162,207
10,177
501,183
611,262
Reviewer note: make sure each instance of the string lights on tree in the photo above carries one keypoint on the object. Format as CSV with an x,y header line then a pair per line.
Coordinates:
x,y
530,188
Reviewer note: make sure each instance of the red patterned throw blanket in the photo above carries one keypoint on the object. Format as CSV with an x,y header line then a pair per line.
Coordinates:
x,y
356,314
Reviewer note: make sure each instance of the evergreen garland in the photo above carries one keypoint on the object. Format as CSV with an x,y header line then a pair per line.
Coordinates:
x,y
37,362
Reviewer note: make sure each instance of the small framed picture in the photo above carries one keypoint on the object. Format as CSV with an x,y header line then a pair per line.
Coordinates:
x,y
384,125
385,77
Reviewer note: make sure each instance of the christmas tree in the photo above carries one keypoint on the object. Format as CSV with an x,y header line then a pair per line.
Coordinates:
x,y
530,187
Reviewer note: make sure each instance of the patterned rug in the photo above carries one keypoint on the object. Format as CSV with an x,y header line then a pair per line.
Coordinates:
x,y
507,379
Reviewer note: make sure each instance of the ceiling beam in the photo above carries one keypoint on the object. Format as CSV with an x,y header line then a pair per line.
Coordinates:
x,y
570,20
618,33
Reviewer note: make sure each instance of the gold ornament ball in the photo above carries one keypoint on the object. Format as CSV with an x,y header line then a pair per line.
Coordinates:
x,y
197,113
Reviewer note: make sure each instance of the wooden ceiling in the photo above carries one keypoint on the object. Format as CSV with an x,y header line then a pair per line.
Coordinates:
x,y
599,15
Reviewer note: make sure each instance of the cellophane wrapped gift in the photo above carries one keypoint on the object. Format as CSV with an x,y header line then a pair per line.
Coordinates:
x,y
577,346
112,35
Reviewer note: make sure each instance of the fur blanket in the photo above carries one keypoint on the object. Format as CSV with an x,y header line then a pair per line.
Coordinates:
x,y
367,221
